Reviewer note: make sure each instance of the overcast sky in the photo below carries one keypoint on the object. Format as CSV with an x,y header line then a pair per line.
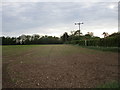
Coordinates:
x,y
55,18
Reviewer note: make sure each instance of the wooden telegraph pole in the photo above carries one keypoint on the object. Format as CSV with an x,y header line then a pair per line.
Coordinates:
x,y
79,31
79,26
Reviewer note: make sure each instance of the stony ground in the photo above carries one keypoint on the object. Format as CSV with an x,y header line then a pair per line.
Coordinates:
x,y
57,66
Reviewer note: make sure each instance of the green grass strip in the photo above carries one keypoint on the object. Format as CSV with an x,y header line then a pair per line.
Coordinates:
x,y
113,84
111,49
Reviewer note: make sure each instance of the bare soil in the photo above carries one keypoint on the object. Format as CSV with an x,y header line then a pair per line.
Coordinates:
x,y
58,66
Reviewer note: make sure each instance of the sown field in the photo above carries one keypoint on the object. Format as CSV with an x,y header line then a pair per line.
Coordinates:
x,y
57,66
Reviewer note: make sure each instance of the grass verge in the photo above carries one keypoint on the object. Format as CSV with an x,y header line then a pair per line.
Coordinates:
x,y
113,84
111,49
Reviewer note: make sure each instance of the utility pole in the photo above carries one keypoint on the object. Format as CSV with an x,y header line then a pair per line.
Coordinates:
x,y
79,26
79,31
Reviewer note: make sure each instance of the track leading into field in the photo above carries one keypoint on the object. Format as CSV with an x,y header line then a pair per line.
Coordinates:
x,y
57,66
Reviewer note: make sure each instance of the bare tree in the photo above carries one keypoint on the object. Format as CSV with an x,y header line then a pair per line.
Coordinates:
x,y
90,33
105,34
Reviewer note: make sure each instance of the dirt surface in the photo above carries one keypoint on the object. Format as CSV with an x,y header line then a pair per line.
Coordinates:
x,y
57,66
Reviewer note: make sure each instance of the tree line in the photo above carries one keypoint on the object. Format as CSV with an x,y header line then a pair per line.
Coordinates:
x,y
28,39
74,38
89,39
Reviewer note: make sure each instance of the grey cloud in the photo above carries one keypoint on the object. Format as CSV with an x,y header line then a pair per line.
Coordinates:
x,y
60,1
21,17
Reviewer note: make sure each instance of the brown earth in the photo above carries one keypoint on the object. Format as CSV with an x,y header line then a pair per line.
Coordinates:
x,y
58,66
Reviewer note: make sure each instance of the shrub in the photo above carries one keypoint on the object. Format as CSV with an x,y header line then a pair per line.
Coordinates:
x,y
106,42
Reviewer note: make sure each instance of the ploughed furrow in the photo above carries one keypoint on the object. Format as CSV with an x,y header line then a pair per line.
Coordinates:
x,y
58,66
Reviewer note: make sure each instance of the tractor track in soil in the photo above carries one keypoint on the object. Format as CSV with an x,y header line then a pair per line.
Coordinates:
x,y
59,67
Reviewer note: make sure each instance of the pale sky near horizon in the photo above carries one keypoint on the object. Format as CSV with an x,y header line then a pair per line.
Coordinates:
x,y
55,18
